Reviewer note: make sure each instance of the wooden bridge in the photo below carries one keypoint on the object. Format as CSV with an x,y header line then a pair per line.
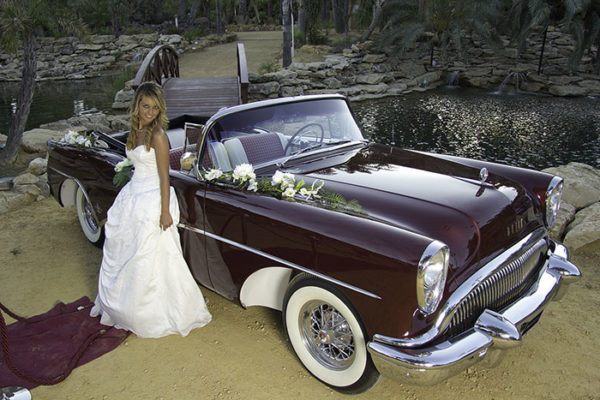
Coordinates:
x,y
199,96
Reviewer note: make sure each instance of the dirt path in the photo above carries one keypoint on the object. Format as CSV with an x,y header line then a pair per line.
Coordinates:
x,y
243,354
261,48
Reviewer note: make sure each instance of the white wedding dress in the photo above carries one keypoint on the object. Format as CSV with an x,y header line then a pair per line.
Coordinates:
x,y
145,285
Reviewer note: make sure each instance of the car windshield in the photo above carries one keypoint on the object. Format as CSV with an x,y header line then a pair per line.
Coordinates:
x,y
277,133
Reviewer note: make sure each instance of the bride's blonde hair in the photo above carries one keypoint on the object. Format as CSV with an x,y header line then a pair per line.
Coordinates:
x,y
155,92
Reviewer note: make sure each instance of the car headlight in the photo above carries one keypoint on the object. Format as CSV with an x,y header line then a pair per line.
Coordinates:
x,y
431,276
553,194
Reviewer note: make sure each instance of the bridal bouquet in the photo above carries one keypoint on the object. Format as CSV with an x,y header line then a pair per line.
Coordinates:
x,y
78,139
123,172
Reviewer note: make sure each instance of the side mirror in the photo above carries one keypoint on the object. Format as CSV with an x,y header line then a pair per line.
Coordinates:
x,y
187,161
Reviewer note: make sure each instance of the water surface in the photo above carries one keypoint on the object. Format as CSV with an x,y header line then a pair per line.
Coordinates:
x,y
523,130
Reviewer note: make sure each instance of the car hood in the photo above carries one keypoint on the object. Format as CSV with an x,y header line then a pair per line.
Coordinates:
x,y
437,198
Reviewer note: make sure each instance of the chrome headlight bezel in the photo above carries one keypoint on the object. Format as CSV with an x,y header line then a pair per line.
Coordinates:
x,y
431,276
553,196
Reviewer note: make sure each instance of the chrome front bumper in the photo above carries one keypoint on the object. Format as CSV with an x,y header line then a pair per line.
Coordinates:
x,y
492,332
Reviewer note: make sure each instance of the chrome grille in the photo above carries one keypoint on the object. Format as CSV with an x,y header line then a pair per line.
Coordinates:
x,y
499,289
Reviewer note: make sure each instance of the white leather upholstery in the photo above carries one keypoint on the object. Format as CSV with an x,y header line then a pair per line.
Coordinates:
x,y
283,139
218,155
236,152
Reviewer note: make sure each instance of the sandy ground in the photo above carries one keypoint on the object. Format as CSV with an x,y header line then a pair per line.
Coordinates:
x,y
243,354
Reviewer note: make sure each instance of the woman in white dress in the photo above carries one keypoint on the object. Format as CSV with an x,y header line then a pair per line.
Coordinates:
x,y
145,285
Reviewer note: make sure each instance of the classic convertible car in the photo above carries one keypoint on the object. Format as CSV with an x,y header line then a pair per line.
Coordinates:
x,y
383,261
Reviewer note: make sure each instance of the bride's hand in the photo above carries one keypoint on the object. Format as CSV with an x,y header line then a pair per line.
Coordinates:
x,y
165,220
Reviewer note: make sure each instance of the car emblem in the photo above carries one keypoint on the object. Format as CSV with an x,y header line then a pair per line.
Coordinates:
x,y
515,227
483,174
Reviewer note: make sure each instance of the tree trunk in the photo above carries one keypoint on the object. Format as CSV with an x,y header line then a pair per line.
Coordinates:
x,y
19,118
302,19
243,11
286,10
256,14
338,16
377,12
325,9
194,10
220,29
542,51
181,10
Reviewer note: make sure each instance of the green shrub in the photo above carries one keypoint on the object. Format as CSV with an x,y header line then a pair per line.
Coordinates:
x,y
194,33
267,67
126,74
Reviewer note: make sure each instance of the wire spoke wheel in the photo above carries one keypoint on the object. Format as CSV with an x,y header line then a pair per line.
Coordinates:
x,y
327,335
87,219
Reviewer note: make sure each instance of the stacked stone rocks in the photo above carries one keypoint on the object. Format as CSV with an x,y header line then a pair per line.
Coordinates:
x,y
25,188
74,58
361,73
578,222
31,185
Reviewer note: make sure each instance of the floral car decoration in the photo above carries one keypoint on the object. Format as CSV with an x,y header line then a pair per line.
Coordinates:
x,y
437,263
283,185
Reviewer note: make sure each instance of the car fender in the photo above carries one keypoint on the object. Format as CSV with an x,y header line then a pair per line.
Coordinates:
x,y
266,287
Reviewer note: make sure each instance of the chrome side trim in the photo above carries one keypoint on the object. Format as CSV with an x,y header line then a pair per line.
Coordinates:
x,y
279,260
449,308
85,194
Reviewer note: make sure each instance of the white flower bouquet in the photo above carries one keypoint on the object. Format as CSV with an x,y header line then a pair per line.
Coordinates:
x,y
282,185
123,172
78,139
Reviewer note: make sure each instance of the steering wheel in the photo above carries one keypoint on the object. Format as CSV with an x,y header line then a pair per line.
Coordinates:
x,y
299,131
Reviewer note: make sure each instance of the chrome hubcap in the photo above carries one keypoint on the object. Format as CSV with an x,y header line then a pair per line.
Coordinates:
x,y
327,335
88,216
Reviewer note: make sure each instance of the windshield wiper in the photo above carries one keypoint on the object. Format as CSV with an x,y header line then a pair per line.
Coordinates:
x,y
315,146
298,153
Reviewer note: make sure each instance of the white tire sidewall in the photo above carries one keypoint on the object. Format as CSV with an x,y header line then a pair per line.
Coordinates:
x,y
79,204
342,378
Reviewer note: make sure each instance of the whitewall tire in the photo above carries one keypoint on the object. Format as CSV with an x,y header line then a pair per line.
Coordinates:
x,y
91,228
327,336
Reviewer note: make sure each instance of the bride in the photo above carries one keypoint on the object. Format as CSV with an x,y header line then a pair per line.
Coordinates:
x,y
145,285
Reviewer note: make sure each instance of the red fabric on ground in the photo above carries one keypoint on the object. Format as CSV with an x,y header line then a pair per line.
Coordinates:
x,y
43,346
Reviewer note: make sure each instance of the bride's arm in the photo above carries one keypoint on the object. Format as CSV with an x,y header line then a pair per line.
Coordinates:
x,y
161,150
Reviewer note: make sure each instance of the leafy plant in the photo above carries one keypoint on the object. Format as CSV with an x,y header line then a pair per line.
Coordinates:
x,y
267,67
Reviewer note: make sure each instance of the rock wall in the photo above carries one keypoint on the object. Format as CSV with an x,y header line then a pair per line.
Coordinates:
x,y
578,222
74,58
359,73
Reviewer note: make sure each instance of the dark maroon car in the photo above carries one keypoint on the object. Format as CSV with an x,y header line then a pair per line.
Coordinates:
x,y
383,261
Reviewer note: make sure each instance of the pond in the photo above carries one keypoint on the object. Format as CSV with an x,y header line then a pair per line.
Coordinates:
x,y
523,130
517,129
56,100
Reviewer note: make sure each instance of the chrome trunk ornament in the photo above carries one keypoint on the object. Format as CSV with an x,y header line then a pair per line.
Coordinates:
x,y
483,175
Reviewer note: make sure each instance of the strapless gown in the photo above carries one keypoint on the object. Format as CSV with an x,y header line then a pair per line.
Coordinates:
x,y
145,285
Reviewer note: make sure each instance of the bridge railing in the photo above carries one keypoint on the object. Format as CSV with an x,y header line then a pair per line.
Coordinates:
x,y
162,62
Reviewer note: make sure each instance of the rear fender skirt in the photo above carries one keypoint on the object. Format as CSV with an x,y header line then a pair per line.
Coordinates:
x,y
266,287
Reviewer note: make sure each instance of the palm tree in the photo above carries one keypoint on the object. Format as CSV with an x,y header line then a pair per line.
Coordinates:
x,y
437,22
21,21
582,19
377,13
527,16
286,10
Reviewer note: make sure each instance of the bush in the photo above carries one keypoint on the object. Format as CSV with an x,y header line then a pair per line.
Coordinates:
x,y
194,33
267,67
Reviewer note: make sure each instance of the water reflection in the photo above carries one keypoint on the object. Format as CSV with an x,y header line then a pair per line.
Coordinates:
x,y
524,130
56,100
